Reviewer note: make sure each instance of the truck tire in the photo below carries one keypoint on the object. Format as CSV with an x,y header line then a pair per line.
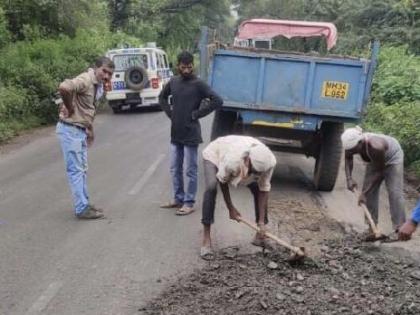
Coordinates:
x,y
223,123
328,161
135,78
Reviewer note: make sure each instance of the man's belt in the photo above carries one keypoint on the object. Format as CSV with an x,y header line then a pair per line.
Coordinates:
x,y
72,125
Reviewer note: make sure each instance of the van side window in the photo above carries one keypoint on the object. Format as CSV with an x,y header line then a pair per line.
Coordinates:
x,y
159,61
165,59
152,62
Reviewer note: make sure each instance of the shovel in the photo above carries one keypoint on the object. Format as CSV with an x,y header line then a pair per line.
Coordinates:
x,y
376,235
298,253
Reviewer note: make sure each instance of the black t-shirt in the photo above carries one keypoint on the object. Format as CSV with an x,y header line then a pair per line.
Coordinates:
x,y
187,95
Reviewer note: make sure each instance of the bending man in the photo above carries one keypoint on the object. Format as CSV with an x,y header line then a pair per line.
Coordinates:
x,y
234,160
385,161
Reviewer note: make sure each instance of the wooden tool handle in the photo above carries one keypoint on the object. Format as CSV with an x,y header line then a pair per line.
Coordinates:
x,y
294,249
372,224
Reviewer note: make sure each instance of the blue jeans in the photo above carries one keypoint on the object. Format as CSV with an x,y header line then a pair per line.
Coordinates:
x,y
74,147
178,152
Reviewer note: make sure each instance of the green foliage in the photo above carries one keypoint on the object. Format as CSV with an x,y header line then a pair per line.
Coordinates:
x,y
170,23
53,17
395,108
14,107
4,32
401,120
32,70
398,77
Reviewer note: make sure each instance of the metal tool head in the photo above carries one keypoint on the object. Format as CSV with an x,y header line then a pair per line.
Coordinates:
x,y
373,238
296,258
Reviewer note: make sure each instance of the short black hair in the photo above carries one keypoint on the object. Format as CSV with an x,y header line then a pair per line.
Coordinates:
x,y
186,58
104,61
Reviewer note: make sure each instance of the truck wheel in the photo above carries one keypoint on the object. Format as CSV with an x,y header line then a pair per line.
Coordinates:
x,y
329,157
223,123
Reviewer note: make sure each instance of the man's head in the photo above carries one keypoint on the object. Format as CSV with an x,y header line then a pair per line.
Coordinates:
x,y
104,68
352,139
240,165
185,64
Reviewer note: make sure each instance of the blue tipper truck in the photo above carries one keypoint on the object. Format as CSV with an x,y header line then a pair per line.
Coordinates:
x,y
293,102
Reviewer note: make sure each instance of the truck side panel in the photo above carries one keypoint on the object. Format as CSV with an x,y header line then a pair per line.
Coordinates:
x,y
298,84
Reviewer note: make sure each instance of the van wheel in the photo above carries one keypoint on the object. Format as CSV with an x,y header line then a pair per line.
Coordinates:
x,y
223,123
136,78
116,110
328,160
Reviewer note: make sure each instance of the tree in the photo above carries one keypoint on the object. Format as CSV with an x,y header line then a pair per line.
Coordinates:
x,y
4,33
53,17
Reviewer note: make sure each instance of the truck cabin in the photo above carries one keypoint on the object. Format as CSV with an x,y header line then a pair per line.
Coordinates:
x,y
288,35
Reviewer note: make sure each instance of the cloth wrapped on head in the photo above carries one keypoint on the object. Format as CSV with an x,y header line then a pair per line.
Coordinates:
x,y
351,137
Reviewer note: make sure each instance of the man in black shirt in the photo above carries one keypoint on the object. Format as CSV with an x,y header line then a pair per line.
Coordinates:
x,y
187,93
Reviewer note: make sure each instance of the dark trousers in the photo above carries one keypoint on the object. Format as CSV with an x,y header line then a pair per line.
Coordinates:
x,y
210,193
394,181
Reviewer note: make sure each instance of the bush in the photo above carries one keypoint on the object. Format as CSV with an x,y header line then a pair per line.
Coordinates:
x,y
14,104
395,108
397,77
31,71
402,121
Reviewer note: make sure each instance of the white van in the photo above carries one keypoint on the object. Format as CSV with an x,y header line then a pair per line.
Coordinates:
x,y
139,76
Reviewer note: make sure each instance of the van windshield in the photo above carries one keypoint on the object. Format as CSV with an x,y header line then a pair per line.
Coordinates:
x,y
123,62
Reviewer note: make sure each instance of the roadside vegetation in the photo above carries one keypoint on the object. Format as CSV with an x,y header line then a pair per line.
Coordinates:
x,y
43,42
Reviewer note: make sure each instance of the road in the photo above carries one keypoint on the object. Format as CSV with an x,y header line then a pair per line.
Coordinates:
x,y
51,263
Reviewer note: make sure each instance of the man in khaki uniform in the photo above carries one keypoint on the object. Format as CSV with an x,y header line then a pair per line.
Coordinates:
x,y
75,129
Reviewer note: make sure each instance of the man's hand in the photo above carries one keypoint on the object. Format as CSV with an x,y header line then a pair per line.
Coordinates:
x,y
362,199
406,230
63,113
234,214
351,184
90,136
194,115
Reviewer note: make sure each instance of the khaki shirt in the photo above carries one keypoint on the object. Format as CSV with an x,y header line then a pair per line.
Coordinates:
x,y
83,88
227,154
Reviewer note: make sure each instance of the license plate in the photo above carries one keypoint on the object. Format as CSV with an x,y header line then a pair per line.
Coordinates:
x,y
118,85
335,90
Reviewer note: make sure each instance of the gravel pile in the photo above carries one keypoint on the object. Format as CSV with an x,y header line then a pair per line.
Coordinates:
x,y
348,277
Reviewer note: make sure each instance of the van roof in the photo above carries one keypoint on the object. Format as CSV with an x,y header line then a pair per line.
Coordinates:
x,y
134,50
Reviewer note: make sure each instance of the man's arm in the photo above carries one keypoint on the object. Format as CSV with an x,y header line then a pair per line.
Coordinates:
x,y
67,97
410,226
262,206
163,99
264,187
214,102
90,135
348,167
233,213
377,149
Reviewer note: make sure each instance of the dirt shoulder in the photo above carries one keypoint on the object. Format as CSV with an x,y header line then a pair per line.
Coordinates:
x,y
24,138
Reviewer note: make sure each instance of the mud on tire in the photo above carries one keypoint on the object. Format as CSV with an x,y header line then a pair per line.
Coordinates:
x,y
328,161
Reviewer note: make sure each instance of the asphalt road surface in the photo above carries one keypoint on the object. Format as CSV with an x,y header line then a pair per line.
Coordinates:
x,y
51,263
